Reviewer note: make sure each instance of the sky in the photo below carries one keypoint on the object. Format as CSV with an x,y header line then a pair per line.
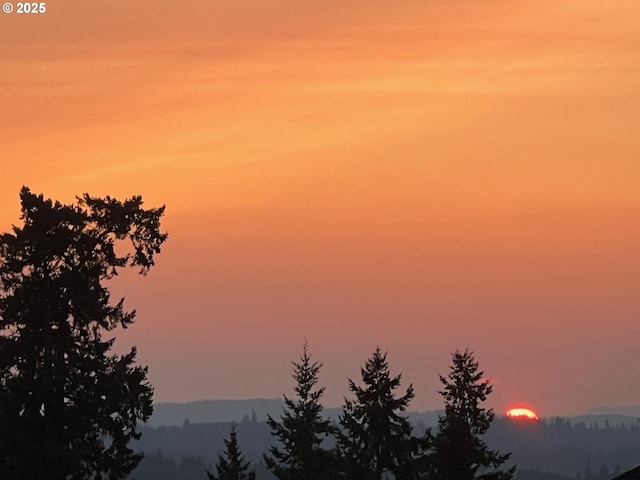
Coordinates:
x,y
424,176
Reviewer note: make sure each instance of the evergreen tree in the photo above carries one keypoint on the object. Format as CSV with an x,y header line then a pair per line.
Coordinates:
x,y
232,466
375,439
69,407
301,428
459,451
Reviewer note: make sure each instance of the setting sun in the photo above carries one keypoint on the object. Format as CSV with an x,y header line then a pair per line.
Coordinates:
x,y
522,413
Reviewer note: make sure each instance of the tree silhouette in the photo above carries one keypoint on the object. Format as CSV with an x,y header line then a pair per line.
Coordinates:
x,y
459,450
232,466
301,428
68,407
375,438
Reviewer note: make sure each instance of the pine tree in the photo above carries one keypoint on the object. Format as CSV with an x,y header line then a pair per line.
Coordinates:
x,y
301,428
375,439
68,406
232,466
459,452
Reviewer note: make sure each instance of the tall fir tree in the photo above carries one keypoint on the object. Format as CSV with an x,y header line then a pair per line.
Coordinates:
x,y
459,451
302,429
232,465
375,438
69,406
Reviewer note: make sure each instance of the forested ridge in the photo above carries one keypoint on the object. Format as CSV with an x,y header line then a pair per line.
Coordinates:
x,y
551,449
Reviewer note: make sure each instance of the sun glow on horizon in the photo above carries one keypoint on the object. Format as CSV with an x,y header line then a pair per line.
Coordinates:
x,y
519,413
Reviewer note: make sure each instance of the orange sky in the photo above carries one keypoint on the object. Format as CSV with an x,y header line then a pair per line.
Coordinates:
x,y
422,175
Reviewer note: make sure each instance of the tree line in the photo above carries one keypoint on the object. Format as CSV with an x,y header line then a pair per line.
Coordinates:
x,y
372,439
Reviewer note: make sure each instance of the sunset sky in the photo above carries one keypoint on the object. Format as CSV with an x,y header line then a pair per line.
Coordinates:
x,y
422,175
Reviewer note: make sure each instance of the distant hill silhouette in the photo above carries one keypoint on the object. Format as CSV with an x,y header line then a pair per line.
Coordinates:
x,y
209,411
630,411
225,410
602,420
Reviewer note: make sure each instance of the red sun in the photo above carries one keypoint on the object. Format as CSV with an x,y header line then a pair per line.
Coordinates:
x,y
522,413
